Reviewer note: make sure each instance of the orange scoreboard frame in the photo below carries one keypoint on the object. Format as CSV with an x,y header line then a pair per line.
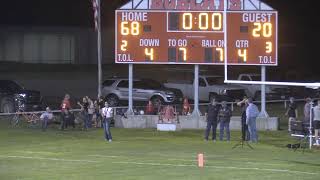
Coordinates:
x,y
196,37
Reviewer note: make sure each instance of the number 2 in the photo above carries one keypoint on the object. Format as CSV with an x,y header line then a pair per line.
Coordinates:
x,y
124,45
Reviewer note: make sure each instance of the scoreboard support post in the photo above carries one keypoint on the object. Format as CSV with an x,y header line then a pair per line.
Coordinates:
x,y
130,105
263,112
196,111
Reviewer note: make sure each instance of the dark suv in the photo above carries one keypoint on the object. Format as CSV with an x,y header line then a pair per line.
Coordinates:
x,y
13,97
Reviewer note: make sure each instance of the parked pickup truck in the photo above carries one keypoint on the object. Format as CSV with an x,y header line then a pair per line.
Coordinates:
x,y
272,92
209,87
14,97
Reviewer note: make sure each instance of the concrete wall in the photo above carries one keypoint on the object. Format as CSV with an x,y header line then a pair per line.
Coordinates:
x,y
189,122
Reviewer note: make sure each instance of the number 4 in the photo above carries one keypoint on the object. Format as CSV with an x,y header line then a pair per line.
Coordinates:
x,y
243,54
149,53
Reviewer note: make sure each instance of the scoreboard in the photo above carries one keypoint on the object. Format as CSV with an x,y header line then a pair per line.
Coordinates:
x,y
196,37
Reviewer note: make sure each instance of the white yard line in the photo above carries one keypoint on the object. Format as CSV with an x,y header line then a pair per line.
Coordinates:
x,y
97,155
217,167
177,159
37,152
51,159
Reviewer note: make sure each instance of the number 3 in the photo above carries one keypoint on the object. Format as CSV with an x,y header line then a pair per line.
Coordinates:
x,y
268,47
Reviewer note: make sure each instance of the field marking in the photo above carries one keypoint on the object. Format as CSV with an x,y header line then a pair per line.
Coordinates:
x,y
217,167
51,159
130,158
97,155
37,152
186,160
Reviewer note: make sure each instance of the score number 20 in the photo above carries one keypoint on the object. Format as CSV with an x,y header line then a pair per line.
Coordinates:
x,y
259,30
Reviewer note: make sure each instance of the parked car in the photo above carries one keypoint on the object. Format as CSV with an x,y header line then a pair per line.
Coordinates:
x,y
117,89
14,97
209,87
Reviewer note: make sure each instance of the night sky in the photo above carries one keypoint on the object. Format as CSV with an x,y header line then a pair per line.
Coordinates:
x,y
298,24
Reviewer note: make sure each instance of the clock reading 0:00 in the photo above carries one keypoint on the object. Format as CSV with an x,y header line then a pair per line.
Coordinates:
x,y
202,21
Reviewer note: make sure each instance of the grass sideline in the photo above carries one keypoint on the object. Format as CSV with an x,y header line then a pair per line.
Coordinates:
x,y
143,154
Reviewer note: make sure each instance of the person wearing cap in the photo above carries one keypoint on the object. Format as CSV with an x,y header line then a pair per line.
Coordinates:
x,y
224,118
306,110
45,117
292,112
107,113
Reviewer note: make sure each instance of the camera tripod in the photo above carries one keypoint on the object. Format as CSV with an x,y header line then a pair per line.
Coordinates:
x,y
303,139
243,141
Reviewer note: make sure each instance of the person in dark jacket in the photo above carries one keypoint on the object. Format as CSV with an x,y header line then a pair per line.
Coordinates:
x,y
67,119
84,109
292,112
224,118
212,120
244,128
69,116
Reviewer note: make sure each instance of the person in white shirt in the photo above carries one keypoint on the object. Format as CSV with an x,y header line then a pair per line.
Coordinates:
x,y
316,123
107,113
45,117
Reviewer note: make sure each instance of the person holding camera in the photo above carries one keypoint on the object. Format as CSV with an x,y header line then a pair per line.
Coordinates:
x,y
244,128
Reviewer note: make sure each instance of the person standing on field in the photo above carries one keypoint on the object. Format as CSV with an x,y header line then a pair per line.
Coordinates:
x,y
224,119
212,120
252,113
107,113
316,123
292,112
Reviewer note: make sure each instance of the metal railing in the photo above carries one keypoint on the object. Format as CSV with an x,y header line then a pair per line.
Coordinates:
x,y
120,110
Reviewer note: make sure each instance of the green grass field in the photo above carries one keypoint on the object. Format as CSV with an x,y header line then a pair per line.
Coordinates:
x,y
27,153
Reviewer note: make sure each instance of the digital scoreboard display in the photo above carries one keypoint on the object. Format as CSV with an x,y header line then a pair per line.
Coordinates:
x,y
196,37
